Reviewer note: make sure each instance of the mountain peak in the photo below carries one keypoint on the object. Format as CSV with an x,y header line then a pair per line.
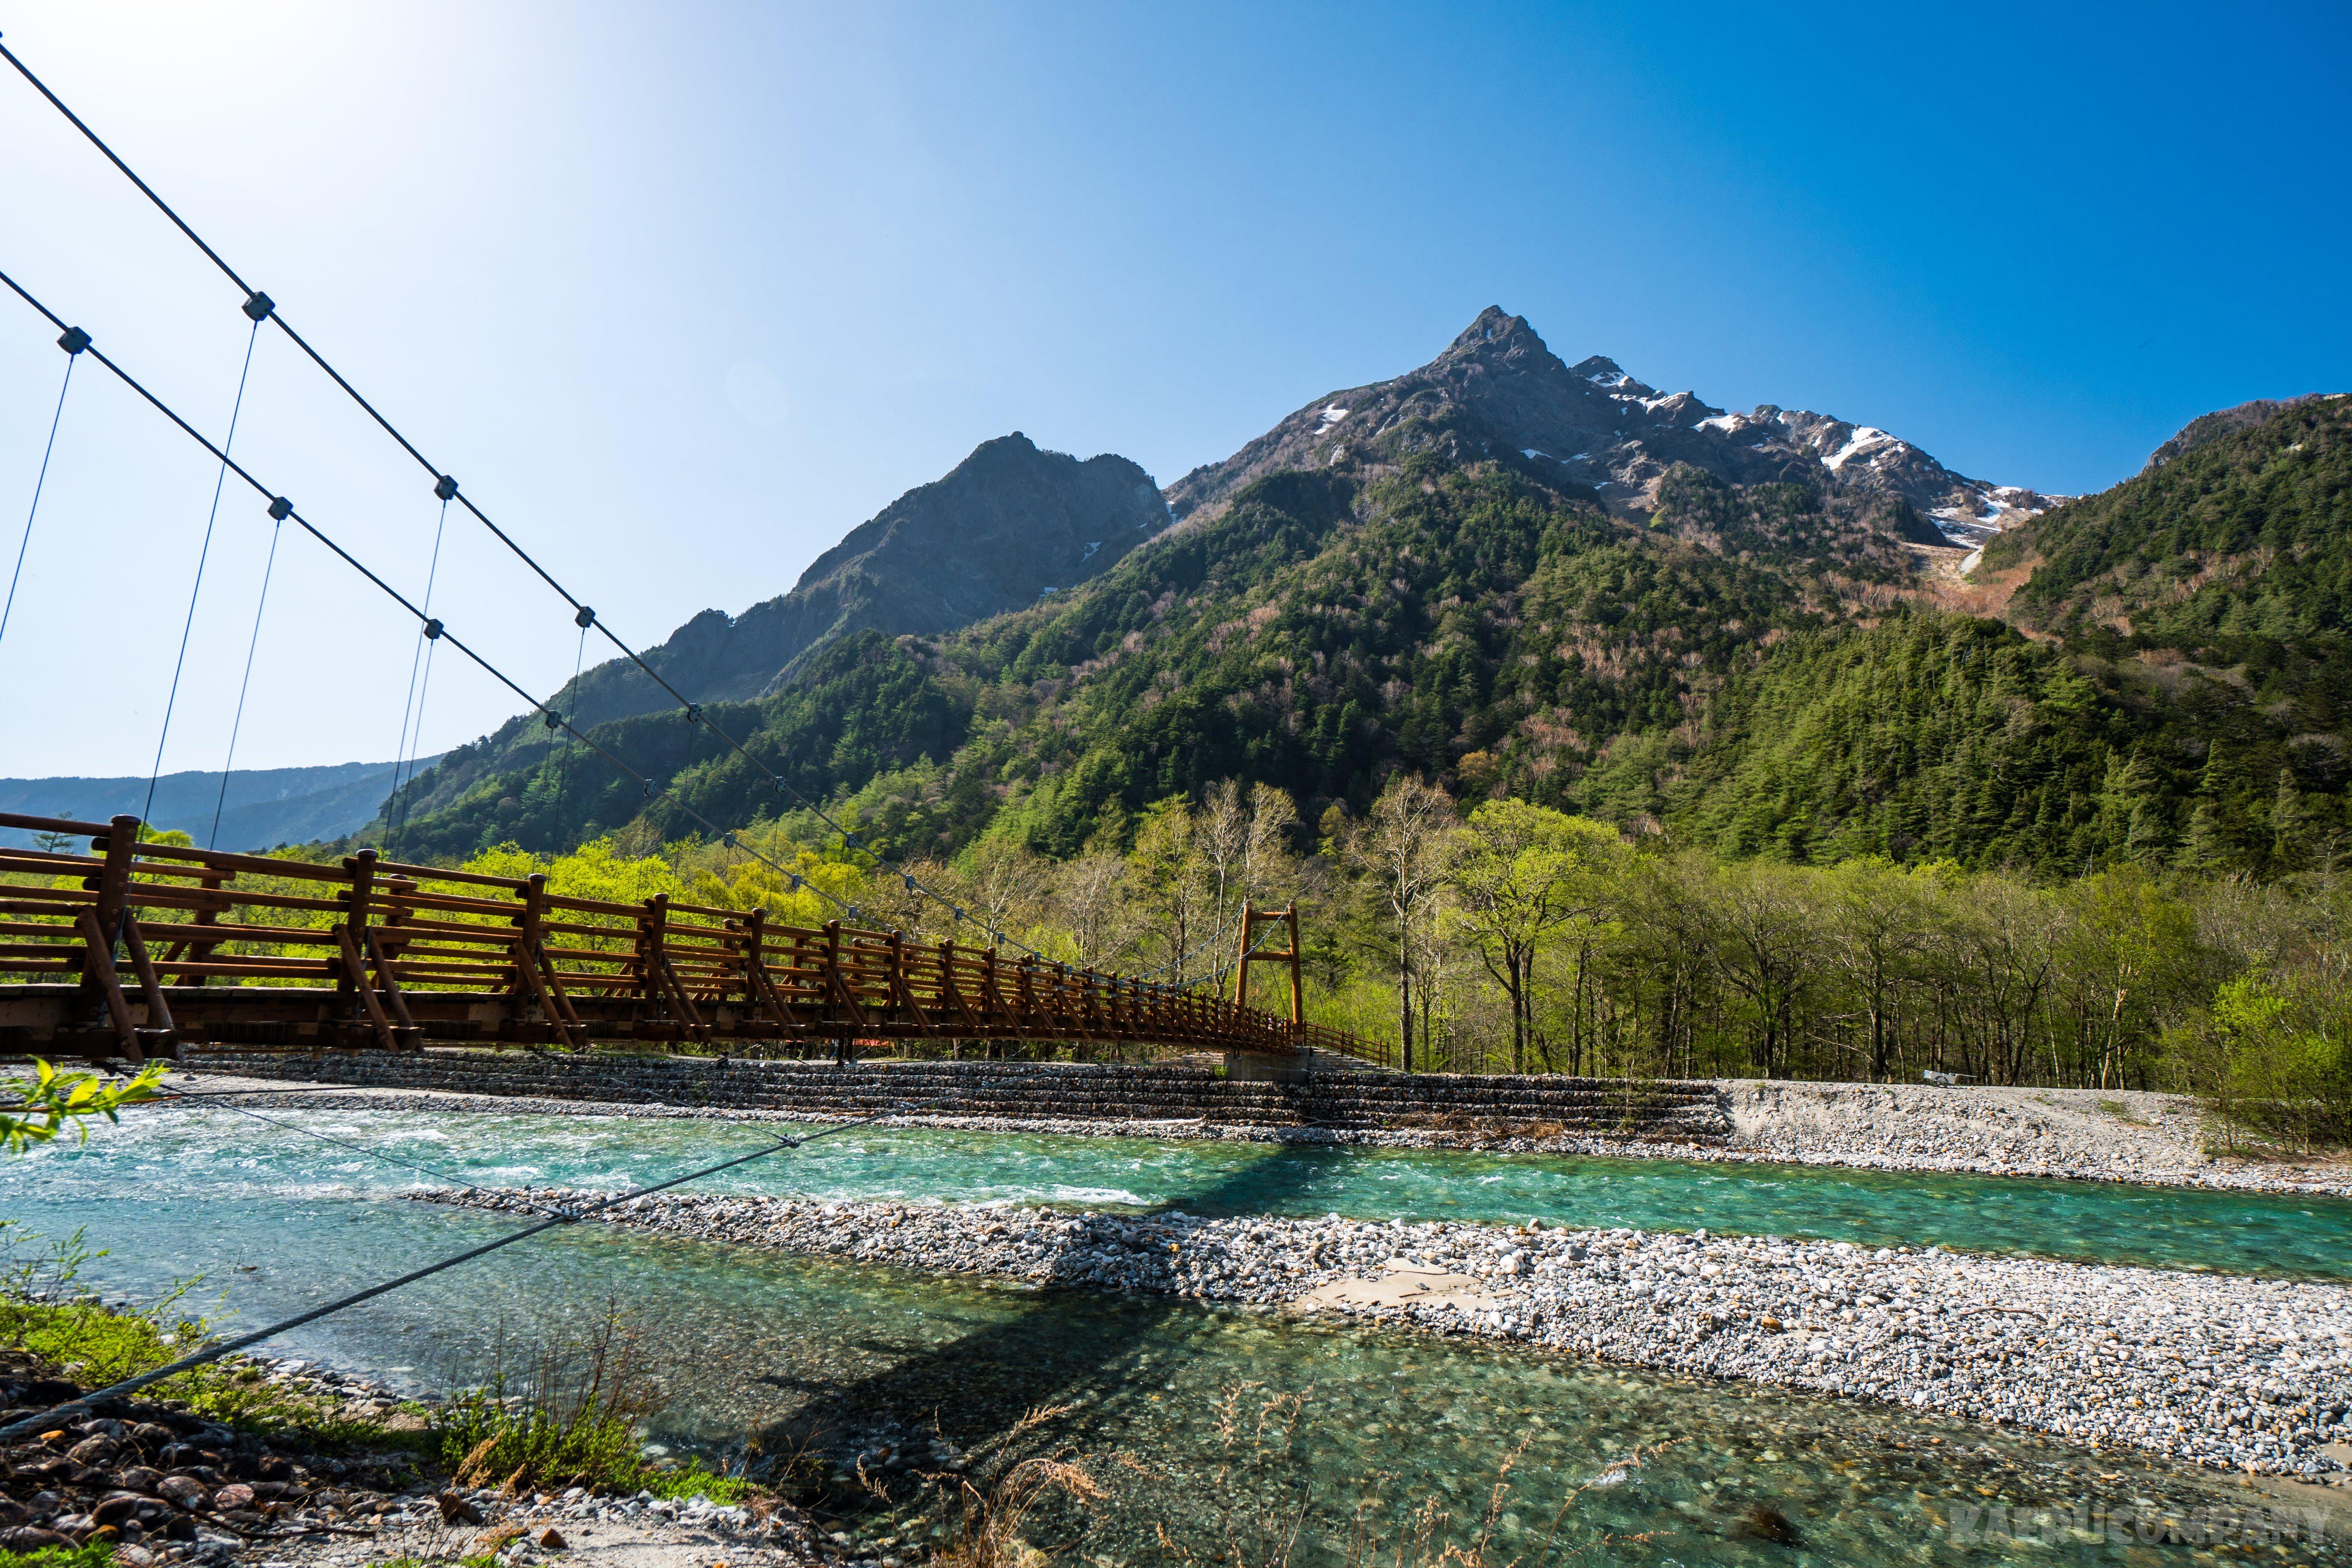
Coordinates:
x,y
1493,325
1593,423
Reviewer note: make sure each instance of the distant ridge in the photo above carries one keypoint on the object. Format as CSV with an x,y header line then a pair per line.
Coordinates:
x,y
266,807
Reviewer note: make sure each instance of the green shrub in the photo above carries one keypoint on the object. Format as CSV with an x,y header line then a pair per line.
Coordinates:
x,y
564,1410
98,1555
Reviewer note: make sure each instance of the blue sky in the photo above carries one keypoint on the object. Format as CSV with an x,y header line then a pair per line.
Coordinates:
x,y
681,293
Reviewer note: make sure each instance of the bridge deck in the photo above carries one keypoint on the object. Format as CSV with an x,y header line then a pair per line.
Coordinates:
x,y
131,949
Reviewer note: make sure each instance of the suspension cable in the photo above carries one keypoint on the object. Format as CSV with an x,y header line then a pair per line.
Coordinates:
x,y
269,565
195,589
260,307
563,758
283,510
397,812
25,543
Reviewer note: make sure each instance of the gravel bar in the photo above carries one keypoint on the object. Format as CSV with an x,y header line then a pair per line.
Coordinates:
x,y
2220,1371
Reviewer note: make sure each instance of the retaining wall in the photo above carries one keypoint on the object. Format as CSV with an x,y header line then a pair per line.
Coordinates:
x,y
1034,1090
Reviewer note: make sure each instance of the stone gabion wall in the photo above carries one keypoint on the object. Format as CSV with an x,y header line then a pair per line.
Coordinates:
x,y
1038,1091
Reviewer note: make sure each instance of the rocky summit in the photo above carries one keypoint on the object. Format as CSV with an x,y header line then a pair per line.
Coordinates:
x,y
1498,389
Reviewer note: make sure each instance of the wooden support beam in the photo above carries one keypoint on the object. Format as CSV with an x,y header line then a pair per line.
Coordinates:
x,y
901,992
389,983
159,1013
354,979
112,884
98,973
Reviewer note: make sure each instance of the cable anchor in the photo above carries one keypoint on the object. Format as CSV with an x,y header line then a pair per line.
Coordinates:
x,y
281,508
431,629
585,619
73,340
258,306
445,489
554,721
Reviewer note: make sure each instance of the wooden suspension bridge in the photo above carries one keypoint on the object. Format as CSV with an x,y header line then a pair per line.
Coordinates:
x,y
130,951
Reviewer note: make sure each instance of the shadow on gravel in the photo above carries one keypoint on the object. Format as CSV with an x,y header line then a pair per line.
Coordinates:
x,y
1064,1347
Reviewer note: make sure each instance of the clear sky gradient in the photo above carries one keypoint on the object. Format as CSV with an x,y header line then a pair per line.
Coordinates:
x,y
682,292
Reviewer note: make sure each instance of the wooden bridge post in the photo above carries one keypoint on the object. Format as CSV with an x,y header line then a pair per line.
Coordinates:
x,y
652,921
759,986
658,980
754,949
98,996
1026,973
529,960
998,1011
351,938
845,1044
952,996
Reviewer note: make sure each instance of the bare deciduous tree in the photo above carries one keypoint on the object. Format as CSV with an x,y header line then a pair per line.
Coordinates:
x,y
1401,842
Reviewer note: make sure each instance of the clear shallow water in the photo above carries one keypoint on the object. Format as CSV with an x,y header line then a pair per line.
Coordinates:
x,y
833,1360
216,1153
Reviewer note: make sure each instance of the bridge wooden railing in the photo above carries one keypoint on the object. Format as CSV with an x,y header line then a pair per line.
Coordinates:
x,y
130,948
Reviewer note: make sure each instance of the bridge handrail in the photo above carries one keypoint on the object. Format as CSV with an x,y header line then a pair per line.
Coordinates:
x,y
386,932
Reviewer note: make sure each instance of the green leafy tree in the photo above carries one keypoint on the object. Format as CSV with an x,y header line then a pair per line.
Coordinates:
x,y
1520,872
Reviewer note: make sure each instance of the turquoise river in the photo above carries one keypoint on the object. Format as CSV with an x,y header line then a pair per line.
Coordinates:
x,y
1208,1433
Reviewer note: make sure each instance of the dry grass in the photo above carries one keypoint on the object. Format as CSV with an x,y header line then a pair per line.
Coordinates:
x,y
993,1528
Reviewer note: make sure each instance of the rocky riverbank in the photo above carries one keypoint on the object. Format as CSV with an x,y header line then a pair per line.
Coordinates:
x,y
158,1484
2084,1134
2220,1370
2072,1134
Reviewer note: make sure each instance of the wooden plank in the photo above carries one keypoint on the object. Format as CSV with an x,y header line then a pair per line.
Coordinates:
x,y
444,874
47,862
52,825
298,870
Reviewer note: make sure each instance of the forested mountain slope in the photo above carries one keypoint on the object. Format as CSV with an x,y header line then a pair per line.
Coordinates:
x,y
2236,550
1741,653
1009,523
